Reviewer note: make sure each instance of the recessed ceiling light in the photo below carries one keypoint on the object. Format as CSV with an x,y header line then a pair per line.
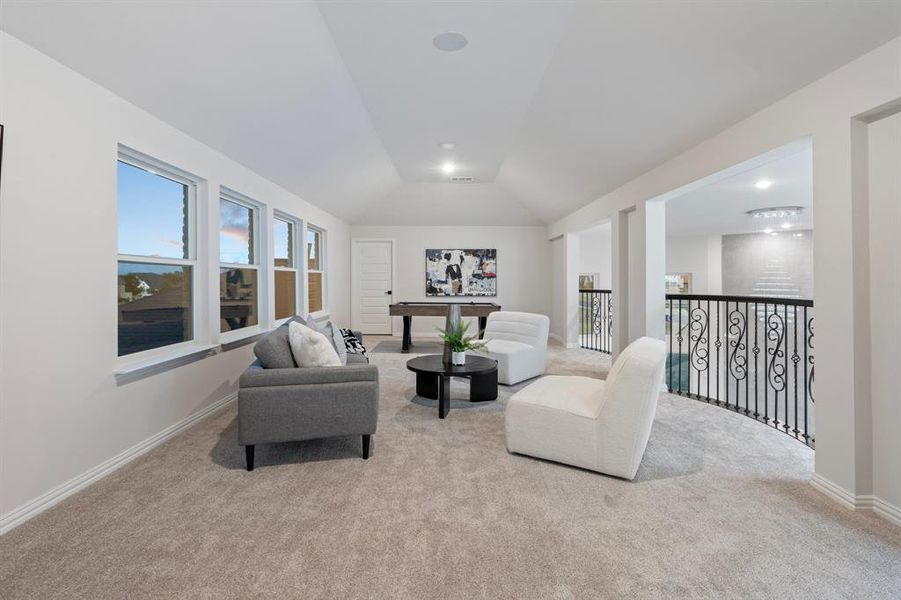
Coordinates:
x,y
763,184
450,41
447,145
448,168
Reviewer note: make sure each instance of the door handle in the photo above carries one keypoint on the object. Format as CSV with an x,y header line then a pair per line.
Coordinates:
x,y
388,292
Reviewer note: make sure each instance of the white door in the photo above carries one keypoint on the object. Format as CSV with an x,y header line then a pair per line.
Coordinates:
x,y
372,280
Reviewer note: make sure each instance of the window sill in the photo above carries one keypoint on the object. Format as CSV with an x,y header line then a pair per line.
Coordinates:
x,y
133,371
242,338
229,338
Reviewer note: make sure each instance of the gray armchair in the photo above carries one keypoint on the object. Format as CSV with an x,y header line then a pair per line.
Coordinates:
x,y
293,404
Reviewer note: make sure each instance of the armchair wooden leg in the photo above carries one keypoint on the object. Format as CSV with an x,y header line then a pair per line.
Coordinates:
x,y
366,439
248,453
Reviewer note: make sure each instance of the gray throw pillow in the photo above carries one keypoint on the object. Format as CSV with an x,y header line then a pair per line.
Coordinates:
x,y
274,351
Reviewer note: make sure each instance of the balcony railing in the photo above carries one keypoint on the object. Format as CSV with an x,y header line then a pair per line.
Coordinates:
x,y
750,354
753,355
596,320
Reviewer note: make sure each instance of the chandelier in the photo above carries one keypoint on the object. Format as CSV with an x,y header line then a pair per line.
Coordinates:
x,y
776,218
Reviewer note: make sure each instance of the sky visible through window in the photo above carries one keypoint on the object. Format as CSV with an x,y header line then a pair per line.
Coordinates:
x,y
151,213
281,232
235,225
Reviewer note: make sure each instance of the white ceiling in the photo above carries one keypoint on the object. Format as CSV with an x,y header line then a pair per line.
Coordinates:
x,y
551,104
721,207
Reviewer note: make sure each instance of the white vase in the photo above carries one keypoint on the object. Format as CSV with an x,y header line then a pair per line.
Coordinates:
x,y
458,358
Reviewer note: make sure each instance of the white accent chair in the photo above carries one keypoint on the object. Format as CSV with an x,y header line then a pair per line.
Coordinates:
x,y
598,425
518,342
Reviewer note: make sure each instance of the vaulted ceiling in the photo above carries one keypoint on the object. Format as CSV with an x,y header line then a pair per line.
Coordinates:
x,y
550,105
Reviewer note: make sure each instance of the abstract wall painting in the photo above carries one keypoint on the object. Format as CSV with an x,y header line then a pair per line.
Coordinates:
x,y
461,272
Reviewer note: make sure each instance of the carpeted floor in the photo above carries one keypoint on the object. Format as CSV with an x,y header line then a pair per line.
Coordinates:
x,y
721,508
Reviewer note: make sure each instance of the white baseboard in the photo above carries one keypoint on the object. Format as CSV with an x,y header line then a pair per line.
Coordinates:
x,y
863,502
46,500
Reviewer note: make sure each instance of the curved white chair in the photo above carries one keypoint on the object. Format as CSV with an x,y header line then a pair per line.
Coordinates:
x,y
599,425
518,342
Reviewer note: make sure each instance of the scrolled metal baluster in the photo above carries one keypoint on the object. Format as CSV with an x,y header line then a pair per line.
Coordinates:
x,y
699,355
796,358
738,366
776,372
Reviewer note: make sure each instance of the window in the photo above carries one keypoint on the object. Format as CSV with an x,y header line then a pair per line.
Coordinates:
x,y
156,255
238,263
285,264
315,269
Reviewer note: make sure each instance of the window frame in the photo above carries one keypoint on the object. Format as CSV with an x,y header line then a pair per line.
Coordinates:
x,y
300,285
323,266
259,243
197,342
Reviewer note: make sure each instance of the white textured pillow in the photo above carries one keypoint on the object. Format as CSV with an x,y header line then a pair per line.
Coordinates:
x,y
311,348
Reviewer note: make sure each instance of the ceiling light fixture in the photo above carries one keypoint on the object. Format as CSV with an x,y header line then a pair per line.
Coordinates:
x,y
447,145
448,168
768,219
763,184
450,41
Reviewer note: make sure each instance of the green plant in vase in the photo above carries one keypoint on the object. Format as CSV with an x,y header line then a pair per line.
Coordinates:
x,y
459,342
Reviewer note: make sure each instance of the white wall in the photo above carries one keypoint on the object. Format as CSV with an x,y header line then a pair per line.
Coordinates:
x,y
61,411
559,285
827,111
700,255
885,304
595,254
523,260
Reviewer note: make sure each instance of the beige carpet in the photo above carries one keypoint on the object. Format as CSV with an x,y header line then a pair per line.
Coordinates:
x,y
721,508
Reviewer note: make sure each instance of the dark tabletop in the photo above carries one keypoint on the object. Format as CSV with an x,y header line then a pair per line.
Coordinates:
x,y
434,363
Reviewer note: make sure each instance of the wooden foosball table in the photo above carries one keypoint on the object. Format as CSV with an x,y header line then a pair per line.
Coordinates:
x,y
408,310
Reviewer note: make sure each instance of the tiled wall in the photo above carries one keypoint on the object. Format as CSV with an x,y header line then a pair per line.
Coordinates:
x,y
776,264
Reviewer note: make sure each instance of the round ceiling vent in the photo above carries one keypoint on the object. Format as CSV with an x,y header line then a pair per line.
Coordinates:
x,y
450,41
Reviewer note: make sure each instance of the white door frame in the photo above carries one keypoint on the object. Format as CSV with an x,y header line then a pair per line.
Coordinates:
x,y
354,274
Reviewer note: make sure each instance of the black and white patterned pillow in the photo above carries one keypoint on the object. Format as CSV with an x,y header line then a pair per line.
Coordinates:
x,y
353,345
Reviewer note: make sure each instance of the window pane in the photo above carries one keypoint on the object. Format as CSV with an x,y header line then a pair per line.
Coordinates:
x,y
285,294
283,236
152,212
314,291
235,233
154,306
314,247
237,298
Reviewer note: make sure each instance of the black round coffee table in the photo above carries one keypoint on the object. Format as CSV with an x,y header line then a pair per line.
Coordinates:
x,y
433,379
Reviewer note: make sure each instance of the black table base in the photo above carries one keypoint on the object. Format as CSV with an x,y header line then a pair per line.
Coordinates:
x,y
433,380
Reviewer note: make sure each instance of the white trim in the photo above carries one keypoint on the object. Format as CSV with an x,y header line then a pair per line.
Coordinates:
x,y
298,244
44,501
887,511
128,363
236,335
862,503
323,266
154,357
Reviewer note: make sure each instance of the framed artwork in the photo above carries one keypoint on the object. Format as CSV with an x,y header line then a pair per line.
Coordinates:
x,y
589,281
678,283
461,272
